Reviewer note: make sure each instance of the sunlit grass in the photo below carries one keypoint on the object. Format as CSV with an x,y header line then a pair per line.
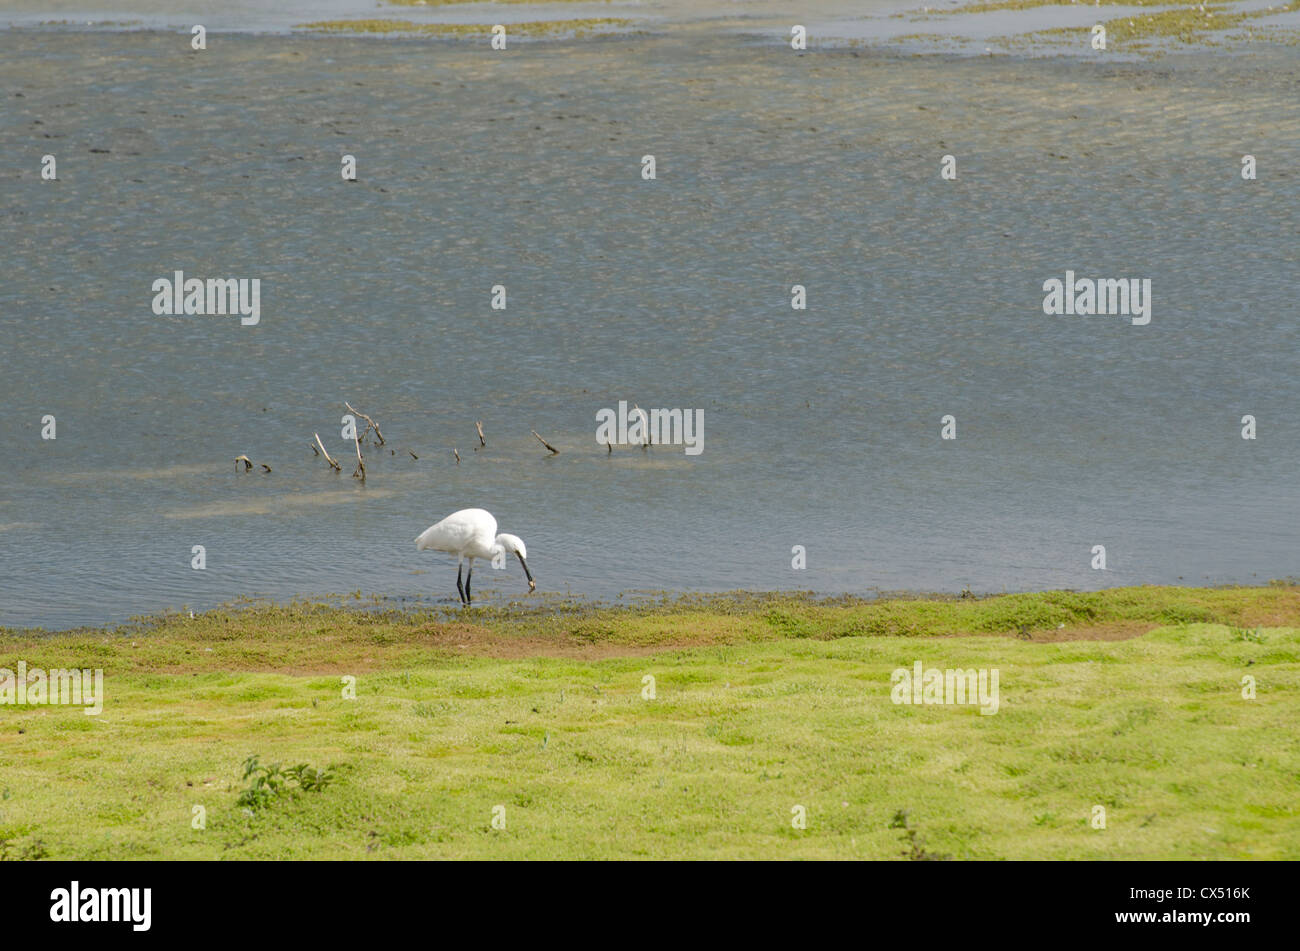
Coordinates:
x,y
1190,22
539,28
784,702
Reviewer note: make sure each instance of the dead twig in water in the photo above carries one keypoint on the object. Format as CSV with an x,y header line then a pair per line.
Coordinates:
x,y
478,424
456,453
645,425
333,465
413,455
370,423
248,463
360,471
554,451
266,467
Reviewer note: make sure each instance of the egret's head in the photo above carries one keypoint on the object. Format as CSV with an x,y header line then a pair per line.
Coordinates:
x,y
513,544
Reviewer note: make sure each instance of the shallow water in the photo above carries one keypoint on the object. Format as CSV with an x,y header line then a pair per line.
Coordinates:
x,y
821,427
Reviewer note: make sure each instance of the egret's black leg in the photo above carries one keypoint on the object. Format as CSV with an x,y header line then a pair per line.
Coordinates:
x,y
468,578
460,587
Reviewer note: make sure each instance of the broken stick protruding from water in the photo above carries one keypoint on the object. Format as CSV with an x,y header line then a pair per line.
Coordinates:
x,y
248,463
478,424
360,471
370,423
554,451
333,465
645,425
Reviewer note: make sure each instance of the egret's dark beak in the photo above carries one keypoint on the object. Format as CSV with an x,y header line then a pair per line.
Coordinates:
x,y
532,585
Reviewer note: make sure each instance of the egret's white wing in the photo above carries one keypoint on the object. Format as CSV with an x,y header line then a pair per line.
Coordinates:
x,y
459,532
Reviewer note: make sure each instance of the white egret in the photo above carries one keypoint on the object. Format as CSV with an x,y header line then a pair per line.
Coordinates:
x,y
470,534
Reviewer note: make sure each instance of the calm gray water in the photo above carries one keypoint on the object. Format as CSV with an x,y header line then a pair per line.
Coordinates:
x,y
821,427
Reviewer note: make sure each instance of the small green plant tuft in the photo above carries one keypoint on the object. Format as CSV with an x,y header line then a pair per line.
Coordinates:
x,y
30,850
1254,635
915,851
270,782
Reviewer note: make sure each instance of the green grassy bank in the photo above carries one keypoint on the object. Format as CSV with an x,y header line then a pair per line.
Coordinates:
x,y
1129,699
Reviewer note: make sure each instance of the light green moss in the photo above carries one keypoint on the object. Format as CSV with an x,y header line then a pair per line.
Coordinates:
x,y
537,28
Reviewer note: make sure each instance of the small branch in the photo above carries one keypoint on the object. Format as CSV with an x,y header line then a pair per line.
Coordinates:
x,y
266,467
360,471
248,463
554,451
478,424
645,425
333,465
370,423
413,455
456,452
